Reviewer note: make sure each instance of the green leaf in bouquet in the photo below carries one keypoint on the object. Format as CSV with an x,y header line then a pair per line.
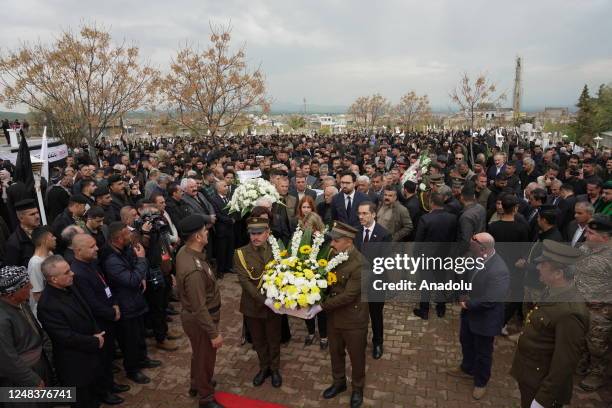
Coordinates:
x,y
306,237
324,252
245,211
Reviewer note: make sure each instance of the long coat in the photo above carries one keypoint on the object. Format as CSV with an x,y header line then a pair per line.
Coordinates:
x,y
68,321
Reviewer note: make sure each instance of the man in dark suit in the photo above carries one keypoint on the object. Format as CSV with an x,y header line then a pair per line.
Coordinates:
x,y
224,229
438,226
92,285
300,189
77,340
73,213
345,204
371,231
575,232
566,205
482,314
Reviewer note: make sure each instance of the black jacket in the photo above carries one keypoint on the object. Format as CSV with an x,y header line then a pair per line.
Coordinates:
x,y
19,248
61,221
57,201
176,209
92,284
224,226
125,273
68,321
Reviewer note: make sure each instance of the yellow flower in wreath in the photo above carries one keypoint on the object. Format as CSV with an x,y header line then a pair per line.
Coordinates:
x,y
331,278
308,274
277,305
283,253
322,263
302,301
305,249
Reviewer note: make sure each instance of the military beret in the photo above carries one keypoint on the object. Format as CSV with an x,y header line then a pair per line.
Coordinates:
x,y
78,198
600,223
608,185
342,230
114,179
100,191
26,204
192,223
558,252
257,224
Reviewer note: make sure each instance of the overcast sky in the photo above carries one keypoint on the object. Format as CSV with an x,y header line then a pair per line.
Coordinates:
x,y
332,51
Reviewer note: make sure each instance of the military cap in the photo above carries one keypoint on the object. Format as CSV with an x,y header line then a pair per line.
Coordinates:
x,y
257,224
78,198
101,191
342,230
26,204
190,224
114,178
600,223
558,252
458,182
608,185
436,178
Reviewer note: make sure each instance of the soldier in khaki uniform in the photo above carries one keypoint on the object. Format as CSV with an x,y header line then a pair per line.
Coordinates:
x,y
199,294
347,317
263,323
553,339
594,283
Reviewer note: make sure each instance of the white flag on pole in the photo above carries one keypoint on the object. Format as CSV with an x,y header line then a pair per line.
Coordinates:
x,y
44,156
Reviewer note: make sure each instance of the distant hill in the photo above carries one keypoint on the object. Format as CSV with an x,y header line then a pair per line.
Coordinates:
x,y
282,107
12,115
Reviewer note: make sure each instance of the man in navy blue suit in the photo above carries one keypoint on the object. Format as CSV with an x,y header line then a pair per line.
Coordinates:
x,y
344,205
482,314
371,231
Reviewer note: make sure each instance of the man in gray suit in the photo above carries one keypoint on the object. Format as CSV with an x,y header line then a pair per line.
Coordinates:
x,y
195,201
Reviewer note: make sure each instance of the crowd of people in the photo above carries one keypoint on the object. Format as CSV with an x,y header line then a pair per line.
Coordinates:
x,y
126,233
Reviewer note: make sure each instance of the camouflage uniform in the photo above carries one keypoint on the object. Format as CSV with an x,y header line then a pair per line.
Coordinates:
x,y
594,283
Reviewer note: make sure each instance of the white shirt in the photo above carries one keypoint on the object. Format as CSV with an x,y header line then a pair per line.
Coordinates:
x,y
370,230
36,279
346,197
577,234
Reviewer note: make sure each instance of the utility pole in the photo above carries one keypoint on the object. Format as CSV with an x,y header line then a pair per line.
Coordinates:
x,y
516,100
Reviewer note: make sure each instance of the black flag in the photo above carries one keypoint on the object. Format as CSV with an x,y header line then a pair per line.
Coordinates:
x,y
23,166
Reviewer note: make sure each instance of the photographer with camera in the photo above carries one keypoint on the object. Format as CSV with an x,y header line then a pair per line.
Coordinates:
x,y
154,229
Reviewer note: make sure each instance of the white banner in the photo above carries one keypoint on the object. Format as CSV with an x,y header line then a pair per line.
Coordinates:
x,y
54,154
248,174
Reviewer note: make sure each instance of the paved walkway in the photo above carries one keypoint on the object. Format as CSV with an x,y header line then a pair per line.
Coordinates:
x,y
410,373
